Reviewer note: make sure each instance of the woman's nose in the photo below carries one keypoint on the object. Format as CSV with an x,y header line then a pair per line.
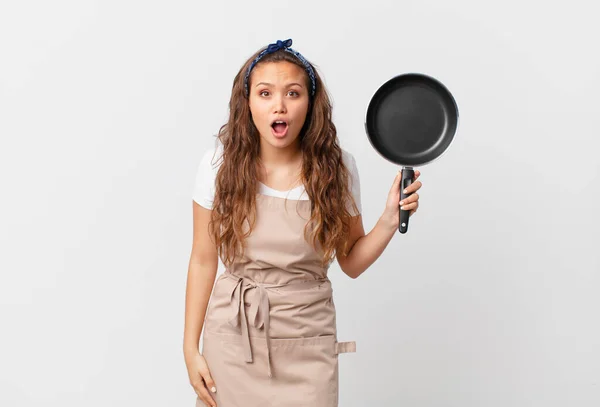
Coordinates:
x,y
279,105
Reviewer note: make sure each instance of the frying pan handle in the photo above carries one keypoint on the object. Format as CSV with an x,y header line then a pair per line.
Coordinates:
x,y
407,178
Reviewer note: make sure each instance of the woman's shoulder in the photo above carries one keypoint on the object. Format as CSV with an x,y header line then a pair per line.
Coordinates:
x,y
347,155
204,187
349,161
354,181
211,160
213,155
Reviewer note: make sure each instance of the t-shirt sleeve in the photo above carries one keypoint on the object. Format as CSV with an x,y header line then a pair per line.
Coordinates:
x,y
354,184
204,187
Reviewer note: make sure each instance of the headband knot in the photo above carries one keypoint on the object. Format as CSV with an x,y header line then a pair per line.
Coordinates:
x,y
285,45
279,45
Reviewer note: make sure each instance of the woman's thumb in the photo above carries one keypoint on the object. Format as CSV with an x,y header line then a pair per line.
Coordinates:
x,y
396,184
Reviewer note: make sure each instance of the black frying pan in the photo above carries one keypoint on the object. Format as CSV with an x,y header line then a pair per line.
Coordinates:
x,y
411,120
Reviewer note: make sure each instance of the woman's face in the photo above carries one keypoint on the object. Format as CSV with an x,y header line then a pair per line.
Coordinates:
x,y
278,99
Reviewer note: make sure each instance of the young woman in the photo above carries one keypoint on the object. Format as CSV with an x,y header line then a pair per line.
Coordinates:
x,y
277,200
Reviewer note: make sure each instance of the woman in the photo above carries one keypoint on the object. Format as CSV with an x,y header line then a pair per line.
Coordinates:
x,y
277,200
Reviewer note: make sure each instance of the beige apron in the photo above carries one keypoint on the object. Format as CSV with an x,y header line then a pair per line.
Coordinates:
x,y
270,336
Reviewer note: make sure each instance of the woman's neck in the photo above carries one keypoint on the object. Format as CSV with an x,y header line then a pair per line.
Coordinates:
x,y
289,156
280,165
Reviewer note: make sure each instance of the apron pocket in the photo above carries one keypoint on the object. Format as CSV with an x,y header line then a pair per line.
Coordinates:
x,y
306,370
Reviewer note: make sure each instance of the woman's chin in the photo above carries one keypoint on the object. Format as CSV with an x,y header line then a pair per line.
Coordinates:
x,y
280,140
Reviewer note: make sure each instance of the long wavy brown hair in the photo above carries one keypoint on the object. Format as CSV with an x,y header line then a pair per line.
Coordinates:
x,y
324,175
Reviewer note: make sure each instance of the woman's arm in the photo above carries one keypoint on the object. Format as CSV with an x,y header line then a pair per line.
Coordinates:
x,y
202,270
364,250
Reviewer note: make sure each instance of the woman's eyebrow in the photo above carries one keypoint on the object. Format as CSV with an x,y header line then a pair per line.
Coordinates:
x,y
287,85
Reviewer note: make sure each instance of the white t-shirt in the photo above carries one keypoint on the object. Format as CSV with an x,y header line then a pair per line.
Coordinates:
x,y
204,188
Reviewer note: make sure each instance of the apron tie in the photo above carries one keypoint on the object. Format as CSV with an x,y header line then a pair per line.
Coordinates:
x,y
259,315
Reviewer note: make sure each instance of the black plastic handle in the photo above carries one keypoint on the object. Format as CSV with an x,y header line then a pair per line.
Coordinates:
x,y
407,178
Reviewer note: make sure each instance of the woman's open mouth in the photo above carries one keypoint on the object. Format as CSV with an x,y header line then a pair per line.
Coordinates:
x,y
280,128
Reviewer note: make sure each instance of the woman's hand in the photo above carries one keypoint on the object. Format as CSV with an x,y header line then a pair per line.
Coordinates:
x,y
391,213
200,378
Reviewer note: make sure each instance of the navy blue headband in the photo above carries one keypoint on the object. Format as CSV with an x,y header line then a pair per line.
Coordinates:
x,y
285,45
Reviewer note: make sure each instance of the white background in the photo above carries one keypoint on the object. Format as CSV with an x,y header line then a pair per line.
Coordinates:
x,y
491,298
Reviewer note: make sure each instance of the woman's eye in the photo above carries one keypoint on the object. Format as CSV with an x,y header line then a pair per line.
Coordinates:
x,y
293,93
264,93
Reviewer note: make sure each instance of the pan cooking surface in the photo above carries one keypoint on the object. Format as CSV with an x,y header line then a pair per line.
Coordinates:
x,y
411,120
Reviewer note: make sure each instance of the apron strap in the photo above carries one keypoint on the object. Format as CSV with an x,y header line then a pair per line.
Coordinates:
x,y
345,347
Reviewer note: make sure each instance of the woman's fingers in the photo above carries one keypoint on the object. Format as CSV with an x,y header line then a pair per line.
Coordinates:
x,y
415,186
203,384
210,383
410,206
412,202
203,393
201,379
